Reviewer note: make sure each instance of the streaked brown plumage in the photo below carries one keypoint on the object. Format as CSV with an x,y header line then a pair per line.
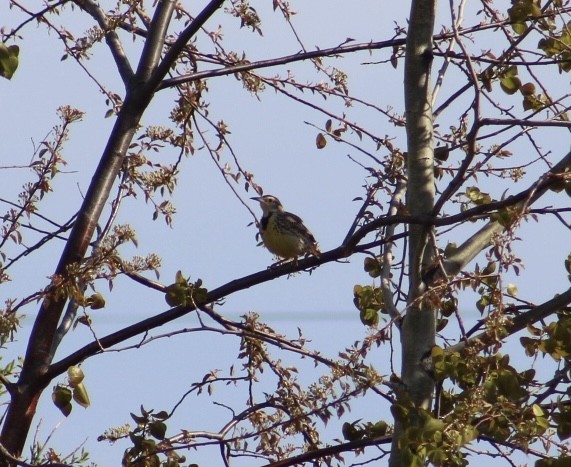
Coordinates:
x,y
284,233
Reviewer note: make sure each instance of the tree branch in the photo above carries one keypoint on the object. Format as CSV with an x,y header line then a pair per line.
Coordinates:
x,y
111,37
418,328
300,56
330,451
155,42
481,239
343,251
39,353
519,322
510,122
386,270
306,55
176,49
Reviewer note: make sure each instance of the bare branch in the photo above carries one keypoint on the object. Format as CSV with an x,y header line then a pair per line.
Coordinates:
x,y
510,122
175,50
301,56
113,42
153,47
330,451
519,322
481,239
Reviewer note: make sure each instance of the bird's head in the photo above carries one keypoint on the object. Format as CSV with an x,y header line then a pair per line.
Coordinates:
x,y
269,204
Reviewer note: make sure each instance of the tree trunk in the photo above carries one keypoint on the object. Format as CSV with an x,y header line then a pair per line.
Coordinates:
x,y
418,326
40,352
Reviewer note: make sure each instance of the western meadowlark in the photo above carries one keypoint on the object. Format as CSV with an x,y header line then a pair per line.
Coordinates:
x,y
283,233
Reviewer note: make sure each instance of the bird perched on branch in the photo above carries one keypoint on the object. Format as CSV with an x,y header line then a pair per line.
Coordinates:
x,y
283,233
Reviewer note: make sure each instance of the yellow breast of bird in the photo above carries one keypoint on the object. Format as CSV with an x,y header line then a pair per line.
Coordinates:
x,y
282,243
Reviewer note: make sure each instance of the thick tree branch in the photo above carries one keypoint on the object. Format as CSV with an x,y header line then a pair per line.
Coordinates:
x,y
155,42
111,37
519,322
481,239
524,122
177,48
39,353
386,270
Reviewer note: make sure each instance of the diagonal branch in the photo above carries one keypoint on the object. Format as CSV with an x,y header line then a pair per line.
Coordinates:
x,y
348,248
330,451
305,55
286,59
111,37
40,351
519,322
481,239
176,49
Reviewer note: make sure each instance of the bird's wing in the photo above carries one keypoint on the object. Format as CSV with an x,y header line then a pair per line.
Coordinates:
x,y
295,219
298,224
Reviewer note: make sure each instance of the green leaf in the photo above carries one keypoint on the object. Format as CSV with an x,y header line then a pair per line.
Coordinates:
x,y
431,426
521,11
510,84
369,301
538,411
138,419
61,397
568,263
8,60
80,395
379,429
369,317
96,301
351,432
162,415
176,295
437,456
373,266
565,64
441,324
564,430
157,430
469,433
415,461
510,72
476,196
441,153
506,217
519,28
557,185
509,386
75,375
560,462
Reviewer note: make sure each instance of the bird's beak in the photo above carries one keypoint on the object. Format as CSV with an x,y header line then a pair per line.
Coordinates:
x,y
256,198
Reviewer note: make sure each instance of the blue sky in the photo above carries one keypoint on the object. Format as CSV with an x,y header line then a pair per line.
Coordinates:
x,y
211,237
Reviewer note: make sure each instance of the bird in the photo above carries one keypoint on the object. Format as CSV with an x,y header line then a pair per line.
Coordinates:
x,y
282,232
